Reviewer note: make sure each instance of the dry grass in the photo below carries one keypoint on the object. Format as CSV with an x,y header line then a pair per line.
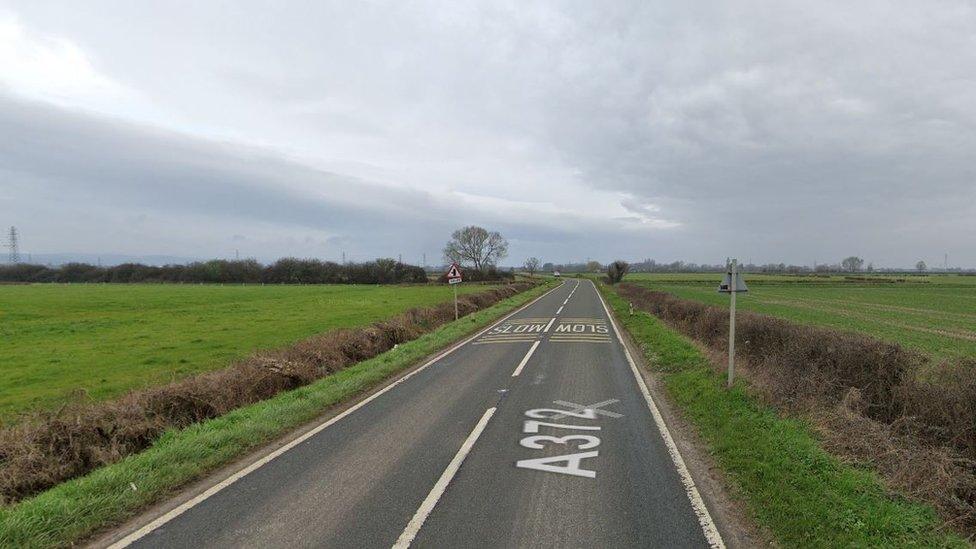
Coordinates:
x,y
52,447
865,396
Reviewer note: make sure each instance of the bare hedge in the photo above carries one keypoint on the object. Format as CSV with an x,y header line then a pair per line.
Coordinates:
x,y
868,396
51,447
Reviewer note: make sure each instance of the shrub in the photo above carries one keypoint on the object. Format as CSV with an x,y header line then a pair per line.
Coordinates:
x,y
617,270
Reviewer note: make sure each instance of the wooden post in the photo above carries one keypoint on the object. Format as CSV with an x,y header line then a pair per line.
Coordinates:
x,y
455,302
732,326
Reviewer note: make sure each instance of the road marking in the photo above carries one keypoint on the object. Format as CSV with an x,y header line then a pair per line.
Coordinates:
x,y
550,324
559,310
525,359
595,408
209,492
491,337
572,320
708,527
574,461
581,328
413,527
510,327
503,341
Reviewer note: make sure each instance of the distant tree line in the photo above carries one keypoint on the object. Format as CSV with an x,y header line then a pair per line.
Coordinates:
x,y
851,264
283,271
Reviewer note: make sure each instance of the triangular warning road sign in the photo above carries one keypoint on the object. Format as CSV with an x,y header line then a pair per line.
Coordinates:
x,y
454,272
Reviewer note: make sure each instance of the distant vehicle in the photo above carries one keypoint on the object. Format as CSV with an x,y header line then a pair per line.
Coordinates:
x,y
556,274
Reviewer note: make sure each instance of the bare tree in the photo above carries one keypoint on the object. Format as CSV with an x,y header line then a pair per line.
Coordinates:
x,y
531,265
852,264
476,246
921,266
593,266
617,270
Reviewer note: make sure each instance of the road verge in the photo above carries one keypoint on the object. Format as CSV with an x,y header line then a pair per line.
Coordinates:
x,y
76,509
793,488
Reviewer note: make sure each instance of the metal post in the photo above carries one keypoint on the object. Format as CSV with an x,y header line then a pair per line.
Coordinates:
x,y
455,301
732,326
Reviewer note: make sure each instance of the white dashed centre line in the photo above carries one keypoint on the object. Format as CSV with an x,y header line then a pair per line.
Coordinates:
x,y
525,359
550,324
413,527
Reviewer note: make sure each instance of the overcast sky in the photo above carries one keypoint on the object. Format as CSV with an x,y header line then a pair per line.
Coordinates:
x,y
774,131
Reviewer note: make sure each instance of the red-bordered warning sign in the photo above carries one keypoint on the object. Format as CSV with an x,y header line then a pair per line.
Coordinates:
x,y
453,274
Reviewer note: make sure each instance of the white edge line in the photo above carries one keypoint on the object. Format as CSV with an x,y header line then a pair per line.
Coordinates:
x,y
711,532
186,506
413,527
525,359
549,325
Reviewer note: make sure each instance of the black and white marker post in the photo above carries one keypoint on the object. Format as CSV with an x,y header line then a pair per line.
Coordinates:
x,y
732,285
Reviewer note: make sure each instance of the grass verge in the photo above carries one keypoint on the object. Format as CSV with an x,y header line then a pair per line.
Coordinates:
x,y
804,496
75,509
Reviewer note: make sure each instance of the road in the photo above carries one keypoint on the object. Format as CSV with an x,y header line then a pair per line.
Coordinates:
x,y
534,433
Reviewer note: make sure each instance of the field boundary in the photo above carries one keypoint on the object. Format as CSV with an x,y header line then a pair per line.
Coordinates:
x,y
78,508
793,488
936,320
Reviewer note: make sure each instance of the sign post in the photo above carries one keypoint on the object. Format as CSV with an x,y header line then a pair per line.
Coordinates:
x,y
454,278
732,285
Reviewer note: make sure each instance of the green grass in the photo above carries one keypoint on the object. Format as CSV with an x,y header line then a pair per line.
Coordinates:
x,y
110,338
934,314
77,508
802,495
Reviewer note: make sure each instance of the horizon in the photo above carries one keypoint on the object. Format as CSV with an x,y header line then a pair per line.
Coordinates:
x,y
156,260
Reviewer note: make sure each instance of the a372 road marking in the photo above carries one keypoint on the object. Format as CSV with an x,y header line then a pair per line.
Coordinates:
x,y
565,464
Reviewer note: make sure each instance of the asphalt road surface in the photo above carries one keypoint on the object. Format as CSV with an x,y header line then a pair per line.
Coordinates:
x,y
534,433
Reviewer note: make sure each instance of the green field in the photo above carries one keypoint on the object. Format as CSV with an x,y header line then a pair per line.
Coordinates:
x,y
934,314
107,339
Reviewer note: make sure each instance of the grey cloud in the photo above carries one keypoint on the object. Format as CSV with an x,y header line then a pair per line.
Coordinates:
x,y
777,131
78,179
